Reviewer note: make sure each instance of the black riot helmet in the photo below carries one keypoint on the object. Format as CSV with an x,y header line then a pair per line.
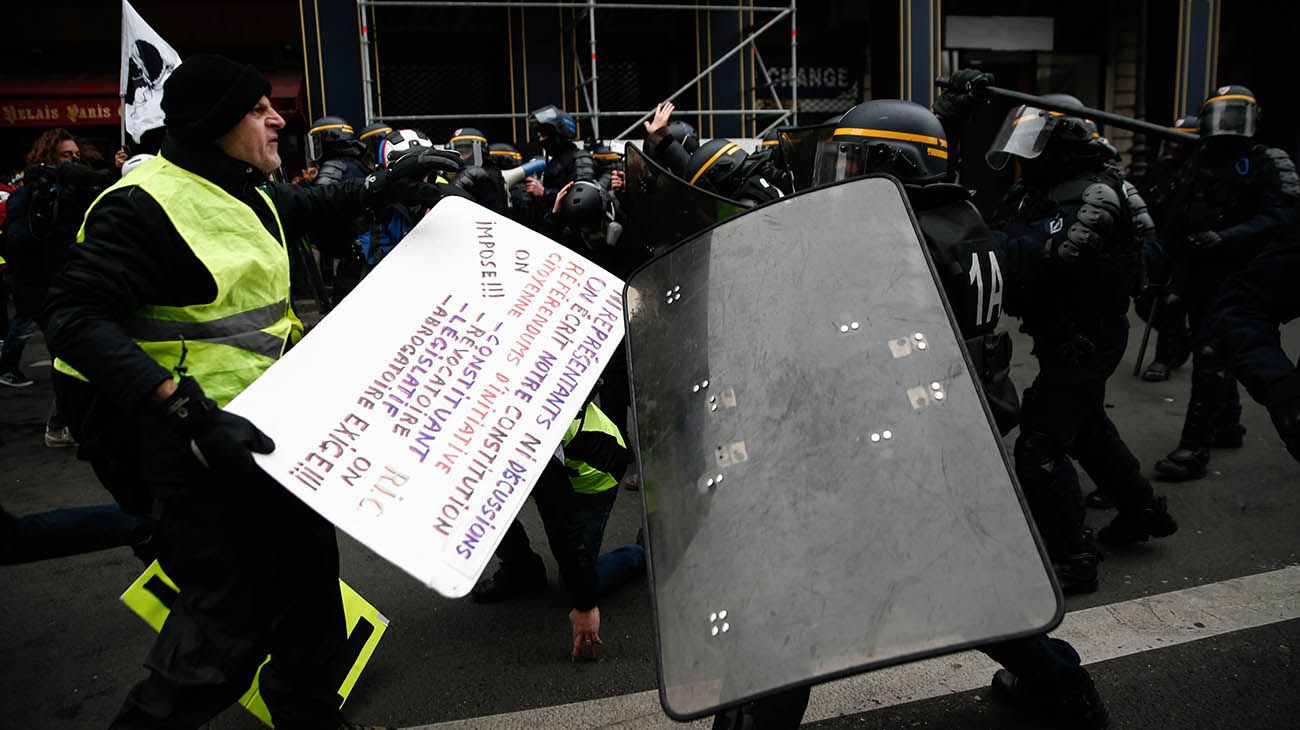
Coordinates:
x,y
503,156
685,135
1173,149
471,144
606,158
372,135
1230,112
329,135
554,121
901,138
1028,132
716,166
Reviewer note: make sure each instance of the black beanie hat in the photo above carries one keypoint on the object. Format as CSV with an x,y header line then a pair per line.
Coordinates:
x,y
207,95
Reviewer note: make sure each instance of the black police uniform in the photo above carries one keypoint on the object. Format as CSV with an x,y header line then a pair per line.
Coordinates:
x,y
342,161
970,262
1251,305
1076,313
1245,199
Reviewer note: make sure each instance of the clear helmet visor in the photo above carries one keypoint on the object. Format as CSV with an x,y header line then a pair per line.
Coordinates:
x,y
837,161
314,148
1229,117
1024,134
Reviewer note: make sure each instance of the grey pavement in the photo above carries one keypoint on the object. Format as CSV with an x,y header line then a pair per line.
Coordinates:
x,y
71,650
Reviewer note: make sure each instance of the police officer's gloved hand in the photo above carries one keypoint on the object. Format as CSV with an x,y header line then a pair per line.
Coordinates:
x,y
404,180
476,182
1283,403
1085,233
222,441
964,91
1204,241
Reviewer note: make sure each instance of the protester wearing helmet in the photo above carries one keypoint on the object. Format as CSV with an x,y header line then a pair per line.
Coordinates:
x,y
1237,199
555,130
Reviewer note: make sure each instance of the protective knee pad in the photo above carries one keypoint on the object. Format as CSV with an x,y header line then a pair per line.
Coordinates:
x,y
1057,515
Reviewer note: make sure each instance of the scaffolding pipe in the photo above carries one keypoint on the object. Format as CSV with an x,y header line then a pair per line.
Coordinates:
x,y
794,60
593,103
525,115
739,47
367,83
572,5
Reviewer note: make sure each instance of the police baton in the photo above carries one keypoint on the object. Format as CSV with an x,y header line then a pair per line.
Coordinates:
x,y
1156,303
1096,115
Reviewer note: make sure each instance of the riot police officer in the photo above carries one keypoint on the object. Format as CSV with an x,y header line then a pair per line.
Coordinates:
x,y
332,147
723,167
1237,200
372,136
906,140
339,157
1072,250
471,144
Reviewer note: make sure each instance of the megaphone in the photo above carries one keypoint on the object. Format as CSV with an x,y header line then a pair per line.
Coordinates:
x,y
516,175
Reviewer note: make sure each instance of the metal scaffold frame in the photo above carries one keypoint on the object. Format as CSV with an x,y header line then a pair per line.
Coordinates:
x,y
589,84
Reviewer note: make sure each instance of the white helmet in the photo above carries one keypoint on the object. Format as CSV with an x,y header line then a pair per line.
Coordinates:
x,y
400,142
135,161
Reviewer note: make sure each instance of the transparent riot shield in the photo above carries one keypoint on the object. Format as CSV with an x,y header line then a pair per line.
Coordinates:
x,y
825,490
663,209
799,145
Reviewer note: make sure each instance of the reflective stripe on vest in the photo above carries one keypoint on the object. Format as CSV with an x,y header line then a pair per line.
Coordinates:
x,y
227,343
589,479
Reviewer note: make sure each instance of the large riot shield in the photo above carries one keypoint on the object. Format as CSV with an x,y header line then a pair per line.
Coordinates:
x,y
663,209
825,489
799,145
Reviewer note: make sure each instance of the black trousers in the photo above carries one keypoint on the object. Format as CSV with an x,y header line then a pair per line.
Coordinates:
x,y
258,574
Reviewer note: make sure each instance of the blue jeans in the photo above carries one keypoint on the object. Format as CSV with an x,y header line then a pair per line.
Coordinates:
x,y
617,567
64,532
20,332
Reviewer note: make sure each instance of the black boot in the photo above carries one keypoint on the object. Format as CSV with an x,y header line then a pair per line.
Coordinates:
x,y
1156,372
1077,574
1070,702
511,582
1139,525
1183,465
1190,459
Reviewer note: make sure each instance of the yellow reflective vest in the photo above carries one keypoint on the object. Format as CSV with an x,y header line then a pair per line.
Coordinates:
x,y
229,342
585,478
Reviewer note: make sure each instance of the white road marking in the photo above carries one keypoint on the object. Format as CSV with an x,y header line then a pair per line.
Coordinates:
x,y
1099,633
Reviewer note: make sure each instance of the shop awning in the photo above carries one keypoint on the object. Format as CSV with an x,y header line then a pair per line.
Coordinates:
x,y
68,101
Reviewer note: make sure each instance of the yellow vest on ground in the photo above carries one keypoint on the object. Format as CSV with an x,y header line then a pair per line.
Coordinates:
x,y
229,342
589,479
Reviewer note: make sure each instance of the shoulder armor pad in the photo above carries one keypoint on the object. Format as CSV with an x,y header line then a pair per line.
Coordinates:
x,y
1288,180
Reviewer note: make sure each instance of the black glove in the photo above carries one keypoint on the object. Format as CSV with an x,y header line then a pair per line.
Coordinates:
x,y
1283,403
1204,241
970,81
1086,231
404,180
476,182
222,441
965,89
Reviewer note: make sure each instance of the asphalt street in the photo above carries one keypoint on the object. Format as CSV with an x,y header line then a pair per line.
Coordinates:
x,y
72,650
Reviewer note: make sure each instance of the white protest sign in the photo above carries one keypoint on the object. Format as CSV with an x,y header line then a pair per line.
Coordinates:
x,y
418,414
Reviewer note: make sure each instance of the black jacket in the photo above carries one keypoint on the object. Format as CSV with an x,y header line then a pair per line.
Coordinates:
x,y
133,257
